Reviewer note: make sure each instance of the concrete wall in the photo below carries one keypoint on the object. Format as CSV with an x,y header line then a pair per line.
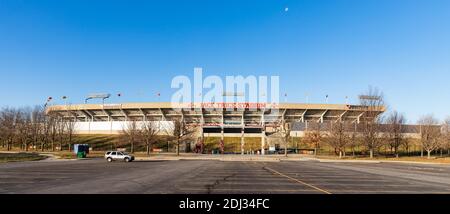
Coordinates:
x,y
115,127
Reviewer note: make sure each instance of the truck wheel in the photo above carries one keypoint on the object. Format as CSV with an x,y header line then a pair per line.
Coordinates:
x,y
127,159
109,159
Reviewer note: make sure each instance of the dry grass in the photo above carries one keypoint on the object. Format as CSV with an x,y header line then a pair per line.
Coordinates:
x,y
71,155
22,156
93,154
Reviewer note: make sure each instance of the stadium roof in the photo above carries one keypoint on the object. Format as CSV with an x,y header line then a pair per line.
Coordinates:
x,y
246,114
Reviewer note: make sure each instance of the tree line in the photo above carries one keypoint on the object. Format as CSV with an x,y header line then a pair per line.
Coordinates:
x,y
31,128
375,131
344,136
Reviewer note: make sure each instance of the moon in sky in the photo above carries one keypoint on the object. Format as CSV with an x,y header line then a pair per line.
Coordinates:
x,y
286,9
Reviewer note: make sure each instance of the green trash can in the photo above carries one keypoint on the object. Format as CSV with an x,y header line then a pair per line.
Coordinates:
x,y
81,154
81,150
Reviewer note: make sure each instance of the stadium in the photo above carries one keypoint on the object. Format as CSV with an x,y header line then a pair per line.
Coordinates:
x,y
226,118
241,121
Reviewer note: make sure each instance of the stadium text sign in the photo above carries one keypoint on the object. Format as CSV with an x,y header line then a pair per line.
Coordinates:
x,y
245,105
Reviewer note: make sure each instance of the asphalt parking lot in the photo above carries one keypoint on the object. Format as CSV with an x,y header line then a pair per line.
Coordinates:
x,y
210,176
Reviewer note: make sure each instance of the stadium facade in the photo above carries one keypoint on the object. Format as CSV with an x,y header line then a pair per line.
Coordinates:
x,y
213,119
110,118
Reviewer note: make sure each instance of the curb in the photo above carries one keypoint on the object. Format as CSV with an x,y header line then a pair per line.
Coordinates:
x,y
379,161
415,162
231,160
347,161
300,160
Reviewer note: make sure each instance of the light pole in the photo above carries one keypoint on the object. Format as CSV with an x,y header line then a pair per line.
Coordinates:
x,y
65,104
65,100
47,102
68,107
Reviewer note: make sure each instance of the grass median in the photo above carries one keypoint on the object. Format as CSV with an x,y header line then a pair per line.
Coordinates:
x,y
21,156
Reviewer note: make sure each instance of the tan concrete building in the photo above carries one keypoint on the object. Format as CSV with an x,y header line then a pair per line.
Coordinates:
x,y
212,119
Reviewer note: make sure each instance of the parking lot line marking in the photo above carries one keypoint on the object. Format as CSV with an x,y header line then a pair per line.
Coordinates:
x,y
296,180
245,190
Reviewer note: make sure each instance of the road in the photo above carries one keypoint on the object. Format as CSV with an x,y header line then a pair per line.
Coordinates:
x,y
209,176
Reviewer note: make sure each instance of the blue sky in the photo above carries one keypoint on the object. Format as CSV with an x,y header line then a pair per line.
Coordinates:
x,y
73,48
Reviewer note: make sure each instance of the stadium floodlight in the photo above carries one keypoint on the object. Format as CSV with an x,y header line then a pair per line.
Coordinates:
x,y
102,96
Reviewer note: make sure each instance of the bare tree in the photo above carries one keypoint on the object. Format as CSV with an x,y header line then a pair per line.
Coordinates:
x,y
429,133
406,143
353,139
70,129
372,102
24,128
338,137
47,136
131,134
314,136
37,126
286,131
3,134
149,134
445,139
8,126
395,124
53,130
60,126
179,132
